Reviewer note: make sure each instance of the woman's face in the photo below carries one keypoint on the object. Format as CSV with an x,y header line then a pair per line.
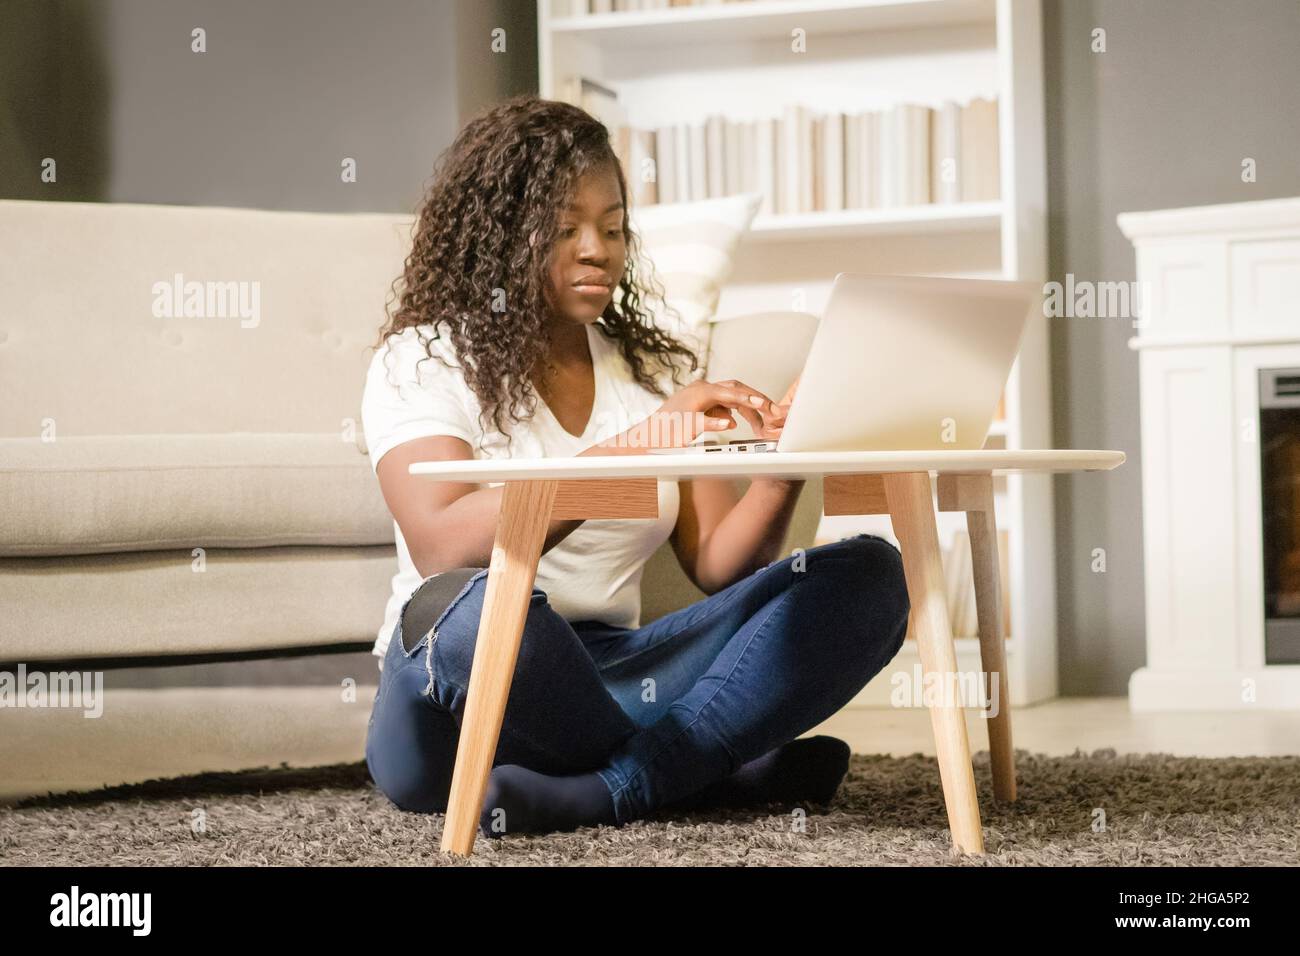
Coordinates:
x,y
590,252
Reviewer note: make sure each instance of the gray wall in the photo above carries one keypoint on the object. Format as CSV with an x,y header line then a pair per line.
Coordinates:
x,y
285,91
1185,91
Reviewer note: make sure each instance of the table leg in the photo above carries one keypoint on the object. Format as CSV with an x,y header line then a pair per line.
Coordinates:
x,y
912,512
521,532
973,493
993,649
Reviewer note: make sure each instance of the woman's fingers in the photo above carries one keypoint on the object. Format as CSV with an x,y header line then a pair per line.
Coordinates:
x,y
750,402
765,416
716,405
715,419
721,416
755,420
748,412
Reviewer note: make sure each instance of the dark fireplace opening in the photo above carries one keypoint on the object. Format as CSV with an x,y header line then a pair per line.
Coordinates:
x,y
1279,469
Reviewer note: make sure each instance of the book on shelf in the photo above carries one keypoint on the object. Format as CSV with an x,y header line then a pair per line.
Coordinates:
x,y
979,150
795,159
733,152
861,137
715,160
945,153
642,176
696,157
804,161
682,160
663,143
830,169
763,168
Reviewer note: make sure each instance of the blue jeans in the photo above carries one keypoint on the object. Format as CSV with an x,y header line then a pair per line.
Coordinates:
x,y
659,711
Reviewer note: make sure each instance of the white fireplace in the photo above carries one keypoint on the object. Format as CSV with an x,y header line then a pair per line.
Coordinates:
x,y
1220,335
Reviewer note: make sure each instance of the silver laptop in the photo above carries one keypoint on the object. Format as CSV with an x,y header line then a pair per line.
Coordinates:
x,y
901,363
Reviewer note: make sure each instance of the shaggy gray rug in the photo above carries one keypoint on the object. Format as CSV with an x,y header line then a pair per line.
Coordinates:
x,y
1084,809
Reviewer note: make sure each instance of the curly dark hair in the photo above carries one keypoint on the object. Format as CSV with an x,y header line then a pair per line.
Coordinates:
x,y
484,235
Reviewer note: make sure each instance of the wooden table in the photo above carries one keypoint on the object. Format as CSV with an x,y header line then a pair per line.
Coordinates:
x,y
896,483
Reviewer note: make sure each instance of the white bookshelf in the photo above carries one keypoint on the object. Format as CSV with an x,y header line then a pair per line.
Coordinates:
x,y
682,64
856,223
764,19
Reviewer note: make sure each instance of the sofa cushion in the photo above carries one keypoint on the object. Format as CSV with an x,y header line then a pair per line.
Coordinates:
x,y
691,247
97,494
271,331
158,603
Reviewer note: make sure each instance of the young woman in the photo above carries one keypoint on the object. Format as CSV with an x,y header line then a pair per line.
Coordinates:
x,y
507,341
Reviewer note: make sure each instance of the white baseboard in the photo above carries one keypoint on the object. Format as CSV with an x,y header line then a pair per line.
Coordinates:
x,y
1267,688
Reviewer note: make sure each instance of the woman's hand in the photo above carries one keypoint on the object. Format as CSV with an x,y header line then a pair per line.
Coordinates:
x,y
701,407
772,428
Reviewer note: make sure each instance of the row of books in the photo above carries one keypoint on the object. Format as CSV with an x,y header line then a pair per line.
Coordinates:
x,y
809,161
578,8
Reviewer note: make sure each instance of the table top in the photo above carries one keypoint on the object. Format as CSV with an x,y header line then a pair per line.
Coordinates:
x,y
774,464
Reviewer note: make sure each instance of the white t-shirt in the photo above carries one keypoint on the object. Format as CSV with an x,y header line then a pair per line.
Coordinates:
x,y
594,573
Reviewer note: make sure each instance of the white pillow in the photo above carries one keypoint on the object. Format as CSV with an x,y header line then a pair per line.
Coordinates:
x,y
690,247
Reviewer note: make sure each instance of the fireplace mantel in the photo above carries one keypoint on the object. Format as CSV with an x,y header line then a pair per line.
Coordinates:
x,y
1223,286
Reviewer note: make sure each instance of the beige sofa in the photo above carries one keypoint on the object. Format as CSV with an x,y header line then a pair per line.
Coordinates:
x,y
183,479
